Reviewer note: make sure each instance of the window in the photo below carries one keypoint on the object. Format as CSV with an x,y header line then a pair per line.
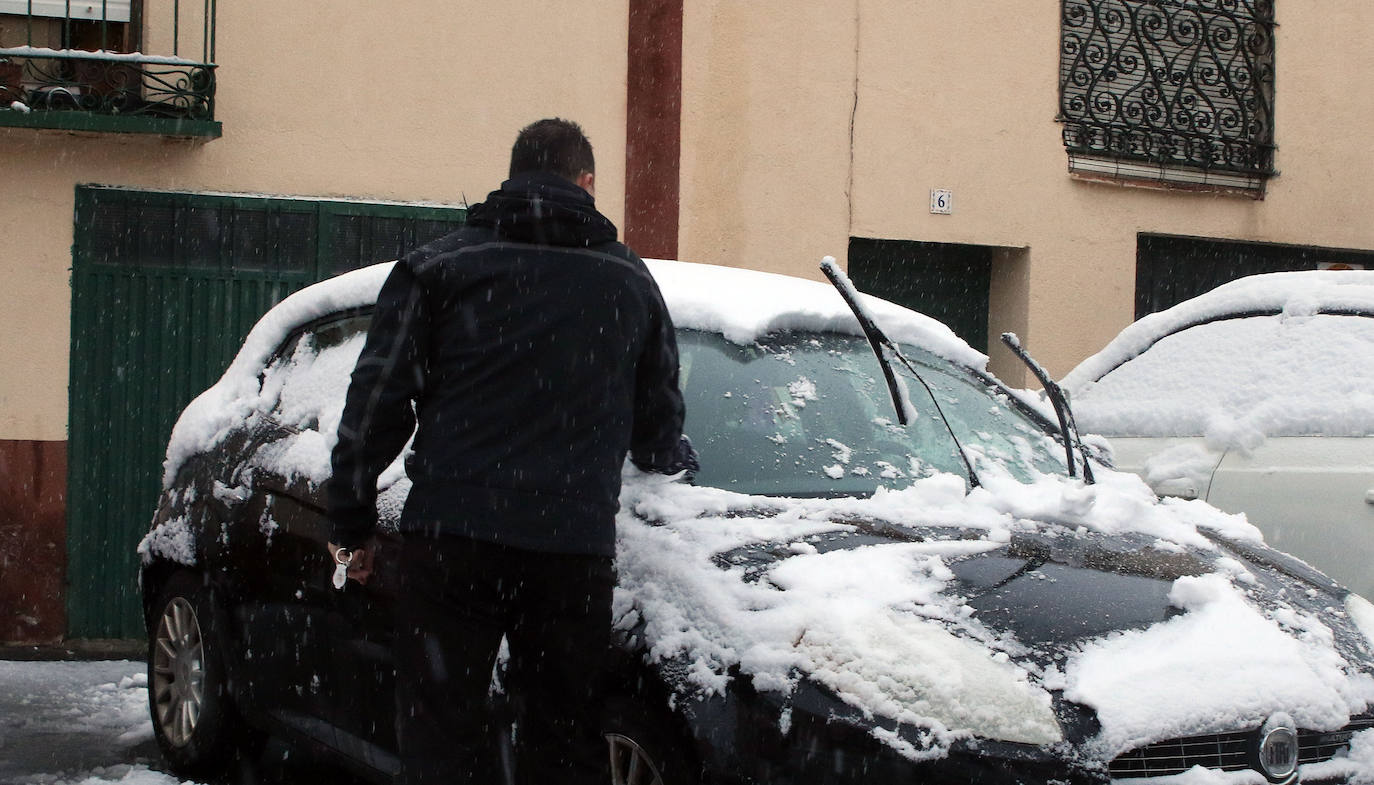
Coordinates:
x,y
307,380
1172,269
1171,90
808,414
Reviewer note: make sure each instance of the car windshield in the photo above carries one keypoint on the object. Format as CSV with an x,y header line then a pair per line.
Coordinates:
x,y
996,433
808,414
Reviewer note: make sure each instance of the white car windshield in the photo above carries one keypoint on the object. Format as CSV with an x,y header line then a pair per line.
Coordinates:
x,y
808,414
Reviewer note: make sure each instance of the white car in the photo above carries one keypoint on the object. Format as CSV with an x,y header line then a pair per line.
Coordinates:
x,y
1257,397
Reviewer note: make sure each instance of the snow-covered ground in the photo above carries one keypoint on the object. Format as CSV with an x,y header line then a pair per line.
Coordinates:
x,y
77,723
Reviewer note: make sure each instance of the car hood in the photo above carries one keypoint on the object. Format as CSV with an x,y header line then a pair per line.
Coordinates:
x,y
1000,613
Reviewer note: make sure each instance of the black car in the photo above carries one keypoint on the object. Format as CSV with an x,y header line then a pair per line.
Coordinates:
x,y
878,574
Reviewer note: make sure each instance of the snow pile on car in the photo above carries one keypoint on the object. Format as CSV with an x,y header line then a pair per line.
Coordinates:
x,y
884,628
1184,676
745,305
1301,370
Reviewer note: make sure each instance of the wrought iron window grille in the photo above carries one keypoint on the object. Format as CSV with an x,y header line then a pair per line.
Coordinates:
x,y
1174,90
84,67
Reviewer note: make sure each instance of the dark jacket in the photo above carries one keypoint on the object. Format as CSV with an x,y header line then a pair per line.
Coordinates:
x,y
537,350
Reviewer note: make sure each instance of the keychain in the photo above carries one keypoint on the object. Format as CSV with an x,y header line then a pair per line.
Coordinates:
x,y
342,558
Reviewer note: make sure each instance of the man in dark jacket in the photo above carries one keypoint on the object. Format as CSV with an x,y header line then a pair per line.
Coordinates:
x,y
529,352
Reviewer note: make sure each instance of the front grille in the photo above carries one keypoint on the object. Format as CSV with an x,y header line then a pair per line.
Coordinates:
x,y
1315,746
1226,751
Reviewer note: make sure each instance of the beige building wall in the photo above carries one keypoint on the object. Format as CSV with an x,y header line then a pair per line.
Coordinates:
x,y
766,91
964,96
412,102
802,125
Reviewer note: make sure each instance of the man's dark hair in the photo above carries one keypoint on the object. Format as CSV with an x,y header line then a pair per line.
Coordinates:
x,y
554,145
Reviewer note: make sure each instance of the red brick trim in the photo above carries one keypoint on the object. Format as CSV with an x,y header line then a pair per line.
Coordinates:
x,y
653,134
33,541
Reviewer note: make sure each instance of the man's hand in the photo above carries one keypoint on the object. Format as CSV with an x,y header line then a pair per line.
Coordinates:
x,y
360,567
682,460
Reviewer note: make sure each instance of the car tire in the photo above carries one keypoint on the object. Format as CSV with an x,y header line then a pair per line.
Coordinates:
x,y
194,719
643,750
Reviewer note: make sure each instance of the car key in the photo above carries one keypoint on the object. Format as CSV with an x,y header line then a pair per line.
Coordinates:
x,y
342,558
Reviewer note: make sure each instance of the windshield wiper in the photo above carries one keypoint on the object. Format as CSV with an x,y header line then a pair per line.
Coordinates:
x,y
1067,427
882,348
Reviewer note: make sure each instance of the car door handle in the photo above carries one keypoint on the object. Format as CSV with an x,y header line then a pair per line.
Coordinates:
x,y
1369,496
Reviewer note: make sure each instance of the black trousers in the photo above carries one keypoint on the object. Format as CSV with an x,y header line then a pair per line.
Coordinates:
x,y
458,598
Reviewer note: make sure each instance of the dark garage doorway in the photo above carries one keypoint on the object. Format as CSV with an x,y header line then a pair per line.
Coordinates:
x,y
1172,269
946,281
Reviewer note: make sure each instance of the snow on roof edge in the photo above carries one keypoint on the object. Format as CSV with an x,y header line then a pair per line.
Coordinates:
x,y
734,301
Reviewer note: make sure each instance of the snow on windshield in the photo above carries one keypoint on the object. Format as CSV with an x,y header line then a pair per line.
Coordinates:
x,y
745,305
1236,380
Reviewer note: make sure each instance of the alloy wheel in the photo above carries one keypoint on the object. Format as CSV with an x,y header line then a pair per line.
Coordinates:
x,y
178,672
631,763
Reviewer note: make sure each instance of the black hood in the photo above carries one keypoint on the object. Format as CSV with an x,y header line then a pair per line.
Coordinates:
x,y
1051,589
1056,588
545,209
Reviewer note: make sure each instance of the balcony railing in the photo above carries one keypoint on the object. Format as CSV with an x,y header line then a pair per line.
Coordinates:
x,y
134,66
1183,88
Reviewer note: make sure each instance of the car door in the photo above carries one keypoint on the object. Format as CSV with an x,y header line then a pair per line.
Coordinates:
x,y
355,624
1312,496
287,608
333,642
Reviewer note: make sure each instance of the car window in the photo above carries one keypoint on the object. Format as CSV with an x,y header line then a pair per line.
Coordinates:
x,y
1284,375
306,382
809,414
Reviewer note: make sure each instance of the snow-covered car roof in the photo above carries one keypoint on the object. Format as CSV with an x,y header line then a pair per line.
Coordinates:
x,y
1292,294
1302,363
743,305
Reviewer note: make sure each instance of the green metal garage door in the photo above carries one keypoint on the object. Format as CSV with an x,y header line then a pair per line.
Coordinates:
x,y
165,286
